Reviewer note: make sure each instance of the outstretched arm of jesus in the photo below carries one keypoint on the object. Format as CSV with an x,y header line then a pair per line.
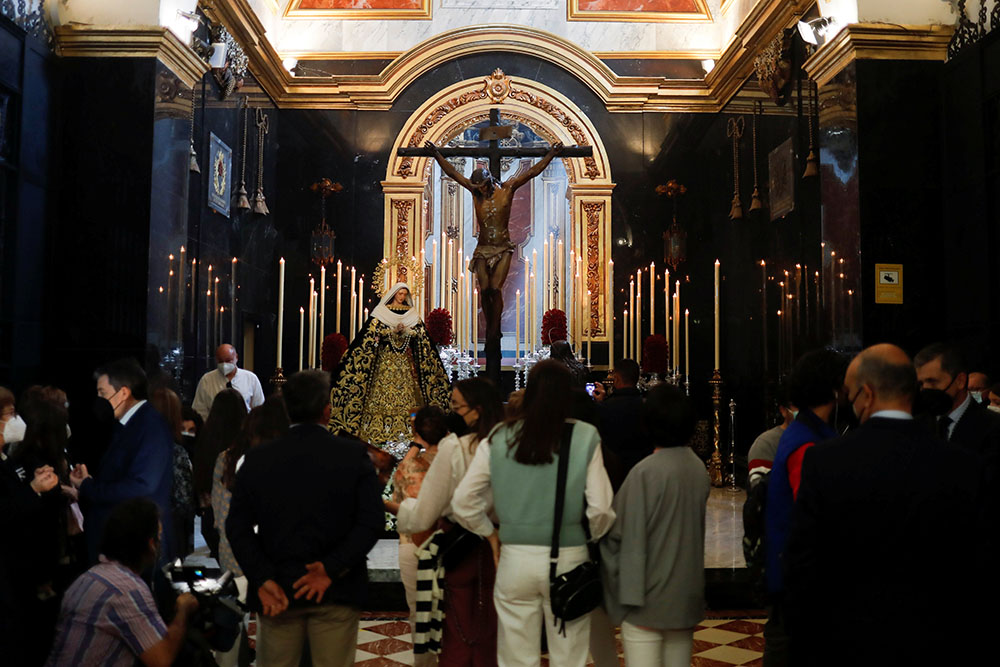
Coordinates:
x,y
448,169
518,181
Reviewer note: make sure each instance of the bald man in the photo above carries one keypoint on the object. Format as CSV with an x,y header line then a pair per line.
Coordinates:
x,y
882,531
226,375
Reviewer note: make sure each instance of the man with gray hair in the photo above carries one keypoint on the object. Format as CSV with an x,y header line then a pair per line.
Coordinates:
x,y
306,510
227,375
884,522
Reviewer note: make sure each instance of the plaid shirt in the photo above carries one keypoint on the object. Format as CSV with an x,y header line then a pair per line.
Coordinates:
x,y
108,617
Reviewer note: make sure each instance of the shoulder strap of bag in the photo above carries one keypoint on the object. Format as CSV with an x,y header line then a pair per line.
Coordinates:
x,y
560,496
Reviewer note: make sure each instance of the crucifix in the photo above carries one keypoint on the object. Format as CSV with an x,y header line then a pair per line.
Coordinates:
x,y
492,201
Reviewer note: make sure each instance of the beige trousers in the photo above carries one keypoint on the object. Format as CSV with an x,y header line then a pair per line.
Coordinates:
x,y
332,630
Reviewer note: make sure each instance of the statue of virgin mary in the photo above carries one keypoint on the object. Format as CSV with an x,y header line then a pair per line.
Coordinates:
x,y
390,369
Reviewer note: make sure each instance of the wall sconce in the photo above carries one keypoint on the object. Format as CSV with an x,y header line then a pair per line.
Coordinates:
x,y
817,31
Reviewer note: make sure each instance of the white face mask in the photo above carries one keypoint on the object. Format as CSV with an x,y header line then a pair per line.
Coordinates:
x,y
226,368
977,396
14,430
994,408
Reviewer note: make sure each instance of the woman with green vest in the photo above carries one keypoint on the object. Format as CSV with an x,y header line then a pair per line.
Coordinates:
x,y
514,471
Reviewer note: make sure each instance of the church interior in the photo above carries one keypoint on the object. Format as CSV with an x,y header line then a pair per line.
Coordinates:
x,y
752,180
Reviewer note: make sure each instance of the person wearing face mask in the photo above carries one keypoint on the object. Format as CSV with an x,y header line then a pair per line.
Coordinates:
x,y
967,424
12,427
470,623
994,398
883,531
760,458
139,461
227,375
814,387
979,386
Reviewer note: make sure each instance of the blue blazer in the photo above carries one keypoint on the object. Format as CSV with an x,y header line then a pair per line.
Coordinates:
x,y
139,463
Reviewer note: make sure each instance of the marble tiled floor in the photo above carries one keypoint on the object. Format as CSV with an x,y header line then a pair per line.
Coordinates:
x,y
384,641
723,538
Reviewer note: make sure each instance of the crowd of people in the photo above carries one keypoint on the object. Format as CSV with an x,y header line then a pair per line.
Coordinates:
x,y
872,495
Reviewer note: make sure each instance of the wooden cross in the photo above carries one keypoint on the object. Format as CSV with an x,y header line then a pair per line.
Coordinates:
x,y
494,151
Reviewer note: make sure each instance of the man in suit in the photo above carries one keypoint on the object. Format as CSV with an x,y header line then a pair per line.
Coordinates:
x,y
317,506
619,419
139,461
968,424
882,532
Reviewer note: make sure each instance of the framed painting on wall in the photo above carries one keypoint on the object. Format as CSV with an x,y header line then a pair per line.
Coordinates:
x,y
220,181
644,11
781,179
359,10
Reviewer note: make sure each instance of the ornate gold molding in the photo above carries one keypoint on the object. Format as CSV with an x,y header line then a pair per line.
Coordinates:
x,y
693,54
618,93
294,10
878,41
574,13
84,41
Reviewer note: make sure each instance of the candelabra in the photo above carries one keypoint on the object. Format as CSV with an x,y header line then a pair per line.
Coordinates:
x,y
715,464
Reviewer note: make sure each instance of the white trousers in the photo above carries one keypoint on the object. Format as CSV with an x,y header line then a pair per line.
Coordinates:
x,y
656,648
408,573
521,595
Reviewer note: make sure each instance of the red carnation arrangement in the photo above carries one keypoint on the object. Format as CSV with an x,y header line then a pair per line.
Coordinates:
x,y
334,347
553,326
654,355
438,325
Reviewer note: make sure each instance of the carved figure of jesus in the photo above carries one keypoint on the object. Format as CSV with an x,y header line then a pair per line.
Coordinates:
x,y
494,250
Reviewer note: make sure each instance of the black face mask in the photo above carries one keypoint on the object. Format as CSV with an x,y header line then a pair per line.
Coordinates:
x,y
932,403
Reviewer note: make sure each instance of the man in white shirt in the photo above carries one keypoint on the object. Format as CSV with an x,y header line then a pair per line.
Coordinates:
x,y
227,375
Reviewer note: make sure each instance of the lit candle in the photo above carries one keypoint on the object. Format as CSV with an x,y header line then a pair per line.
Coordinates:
x,y
677,331
447,286
561,289
170,289
589,337
527,308
545,275
534,271
339,286
180,295
421,282
763,307
475,323
194,279
798,298
361,302
322,304
626,320
312,322
571,295
302,336
666,313
281,306
716,314
366,314
215,310
434,269
610,310
313,346
630,346
232,302
469,310
687,343
534,323
638,317
581,285
550,274
517,325
354,304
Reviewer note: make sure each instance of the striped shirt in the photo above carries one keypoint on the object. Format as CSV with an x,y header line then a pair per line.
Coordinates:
x,y
108,617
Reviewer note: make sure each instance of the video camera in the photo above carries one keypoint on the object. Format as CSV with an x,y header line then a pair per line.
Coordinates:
x,y
216,624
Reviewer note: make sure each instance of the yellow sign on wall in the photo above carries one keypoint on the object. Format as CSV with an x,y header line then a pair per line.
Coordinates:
x,y
888,283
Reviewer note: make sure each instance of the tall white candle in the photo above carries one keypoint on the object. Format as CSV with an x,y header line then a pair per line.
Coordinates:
x,y
589,337
469,308
638,316
423,283
687,343
534,271
281,307
551,273
717,314
180,295
562,276
361,302
459,322
475,323
302,336
322,304
354,304
447,282
311,356
315,328
532,320
527,308
232,303
215,311
339,286
677,330
517,325
571,296
626,321
666,310
435,298
545,275
631,318
610,310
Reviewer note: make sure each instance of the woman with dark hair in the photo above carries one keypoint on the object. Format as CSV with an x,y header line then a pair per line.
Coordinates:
x,y
221,429
469,632
653,558
515,472
168,404
430,425
264,423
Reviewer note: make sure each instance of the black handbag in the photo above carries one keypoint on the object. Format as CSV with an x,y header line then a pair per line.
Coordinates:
x,y
456,545
578,592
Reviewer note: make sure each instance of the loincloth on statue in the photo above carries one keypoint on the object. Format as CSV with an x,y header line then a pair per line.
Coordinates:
x,y
490,254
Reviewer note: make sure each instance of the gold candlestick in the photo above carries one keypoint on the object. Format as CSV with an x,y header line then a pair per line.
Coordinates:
x,y
715,463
